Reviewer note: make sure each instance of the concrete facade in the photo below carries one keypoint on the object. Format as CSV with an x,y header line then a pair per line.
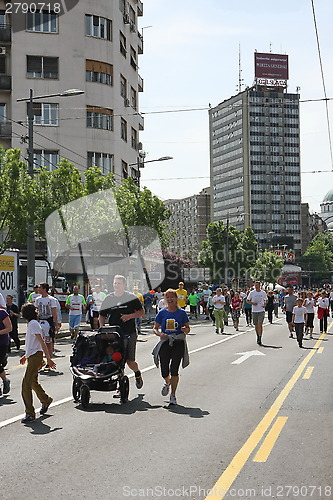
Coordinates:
x,y
189,220
312,224
255,164
93,47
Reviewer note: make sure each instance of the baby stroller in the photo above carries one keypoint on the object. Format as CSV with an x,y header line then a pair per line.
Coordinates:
x,y
88,371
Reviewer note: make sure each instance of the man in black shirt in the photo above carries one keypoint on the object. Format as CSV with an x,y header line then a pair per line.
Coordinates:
x,y
14,313
123,308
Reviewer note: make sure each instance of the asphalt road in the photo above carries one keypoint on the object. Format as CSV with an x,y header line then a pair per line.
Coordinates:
x,y
253,425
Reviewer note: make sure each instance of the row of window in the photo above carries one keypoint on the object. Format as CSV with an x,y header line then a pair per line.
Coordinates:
x,y
45,158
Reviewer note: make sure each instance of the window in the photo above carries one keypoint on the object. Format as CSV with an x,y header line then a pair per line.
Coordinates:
x,y
45,113
45,158
102,160
123,87
134,98
133,58
99,27
42,67
101,118
2,65
3,113
123,42
99,72
134,138
43,22
124,169
123,129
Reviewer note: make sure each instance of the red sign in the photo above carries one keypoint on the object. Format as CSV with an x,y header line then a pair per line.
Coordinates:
x,y
271,66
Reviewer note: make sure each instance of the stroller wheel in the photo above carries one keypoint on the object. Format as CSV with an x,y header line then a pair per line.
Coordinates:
x,y
124,389
76,389
85,396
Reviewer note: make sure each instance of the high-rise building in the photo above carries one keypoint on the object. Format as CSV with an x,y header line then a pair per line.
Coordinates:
x,y
255,162
94,47
188,222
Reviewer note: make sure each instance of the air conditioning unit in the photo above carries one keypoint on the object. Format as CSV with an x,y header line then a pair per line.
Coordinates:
x,y
126,103
127,19
2,51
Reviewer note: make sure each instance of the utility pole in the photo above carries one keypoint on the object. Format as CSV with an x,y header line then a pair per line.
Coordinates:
x,y
31,229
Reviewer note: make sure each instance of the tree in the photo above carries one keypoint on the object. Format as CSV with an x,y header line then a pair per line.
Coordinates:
x,y
242,252
318,258
267,267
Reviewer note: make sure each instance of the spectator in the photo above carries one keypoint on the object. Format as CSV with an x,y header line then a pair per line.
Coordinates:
x,y
14,313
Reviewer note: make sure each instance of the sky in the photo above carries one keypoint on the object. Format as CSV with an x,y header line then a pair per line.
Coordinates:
x,y
190,60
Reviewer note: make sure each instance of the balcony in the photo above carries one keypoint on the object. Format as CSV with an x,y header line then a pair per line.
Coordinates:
x,y
5,33
140,44
140,8
5,129
141,122
5,82
140,84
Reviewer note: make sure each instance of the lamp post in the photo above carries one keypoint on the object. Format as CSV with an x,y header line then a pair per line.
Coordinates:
x,y
31,235
141,162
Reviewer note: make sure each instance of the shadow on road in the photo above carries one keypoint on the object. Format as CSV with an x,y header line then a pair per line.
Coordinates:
x,y
272,346
132,406
4,400
187,410
38,427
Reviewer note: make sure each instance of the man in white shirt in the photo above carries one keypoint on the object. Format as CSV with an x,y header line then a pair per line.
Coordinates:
x,y
75,303
258,299
48,316
97,300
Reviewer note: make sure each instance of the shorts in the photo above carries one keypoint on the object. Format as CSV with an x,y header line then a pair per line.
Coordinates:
x,y
258,317
131,347
309,323
289,317
48,331
74,321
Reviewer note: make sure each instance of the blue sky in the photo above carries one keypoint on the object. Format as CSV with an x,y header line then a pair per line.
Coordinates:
x,y
191,59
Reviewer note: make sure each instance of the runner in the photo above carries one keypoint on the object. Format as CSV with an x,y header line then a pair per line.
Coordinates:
x,y
48,316
75,303
258,299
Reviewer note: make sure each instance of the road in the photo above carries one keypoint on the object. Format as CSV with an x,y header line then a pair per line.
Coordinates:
x,y
257,428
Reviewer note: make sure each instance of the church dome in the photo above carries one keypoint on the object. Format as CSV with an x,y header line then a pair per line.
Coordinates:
x,y
328,196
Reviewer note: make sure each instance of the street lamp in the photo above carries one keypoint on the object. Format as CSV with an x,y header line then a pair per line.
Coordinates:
x,y
31,235
140,163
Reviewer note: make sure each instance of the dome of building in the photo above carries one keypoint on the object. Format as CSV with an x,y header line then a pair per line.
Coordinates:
x,y
328,196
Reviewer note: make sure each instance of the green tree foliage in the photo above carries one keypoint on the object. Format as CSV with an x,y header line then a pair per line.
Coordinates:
x,y
242,253
318,258
267,267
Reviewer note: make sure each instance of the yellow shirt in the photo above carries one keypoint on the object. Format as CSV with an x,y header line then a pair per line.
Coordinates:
x,y
182,296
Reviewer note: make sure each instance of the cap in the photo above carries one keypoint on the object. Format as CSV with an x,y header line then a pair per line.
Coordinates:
x,y
180,283
152,291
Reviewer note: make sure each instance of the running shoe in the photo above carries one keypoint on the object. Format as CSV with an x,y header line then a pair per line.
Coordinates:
x,y
6,386
44,408
138,380
165,389
27,419
173,400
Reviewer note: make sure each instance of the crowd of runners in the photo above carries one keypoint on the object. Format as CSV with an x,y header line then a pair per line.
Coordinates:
x,y
169,312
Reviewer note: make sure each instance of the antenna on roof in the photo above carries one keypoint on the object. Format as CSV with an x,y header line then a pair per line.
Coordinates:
x,y
240,79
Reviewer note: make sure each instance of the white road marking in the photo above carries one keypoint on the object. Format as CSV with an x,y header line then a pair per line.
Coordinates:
x,y
246,355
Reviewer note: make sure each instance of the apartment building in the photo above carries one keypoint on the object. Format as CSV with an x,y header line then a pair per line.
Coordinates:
x,y
93,47
255,164
188,222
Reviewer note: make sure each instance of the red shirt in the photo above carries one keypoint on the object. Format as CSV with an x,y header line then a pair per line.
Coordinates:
x,y
235,303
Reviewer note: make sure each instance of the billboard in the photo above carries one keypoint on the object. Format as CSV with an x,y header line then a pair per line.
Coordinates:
x,y
271,66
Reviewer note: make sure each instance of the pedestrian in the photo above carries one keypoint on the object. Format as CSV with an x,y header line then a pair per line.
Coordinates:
x,y
171,325
289,304
75,303
331,300
219,312
33,295
276,303
270,306
299,319
258,299
210,307
148,305
247,310
122,308
140,297
14,313
323,311
5,328
34,347
97,299
182,295
47,316
161,303
158,295
309,304
236,306
227,304
193,300
206,292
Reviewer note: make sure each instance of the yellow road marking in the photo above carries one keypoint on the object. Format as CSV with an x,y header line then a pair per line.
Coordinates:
x,y
320,350
308,372
270,439
223,484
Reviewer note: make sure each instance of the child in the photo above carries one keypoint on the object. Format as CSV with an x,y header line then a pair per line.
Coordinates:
x,y
299,318
34,347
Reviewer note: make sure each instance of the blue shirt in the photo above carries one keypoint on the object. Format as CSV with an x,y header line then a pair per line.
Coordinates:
x,y
171,322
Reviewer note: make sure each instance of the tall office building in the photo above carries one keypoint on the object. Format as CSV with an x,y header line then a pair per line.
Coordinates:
x,y
255,158
93,46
